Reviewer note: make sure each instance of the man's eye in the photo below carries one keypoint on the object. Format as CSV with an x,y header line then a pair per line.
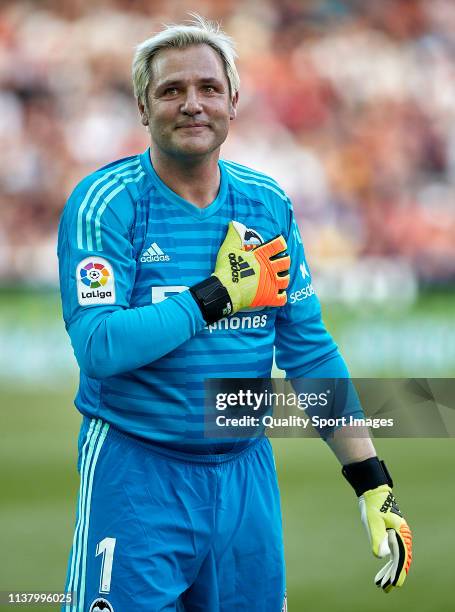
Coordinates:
x,y
170,91
209,89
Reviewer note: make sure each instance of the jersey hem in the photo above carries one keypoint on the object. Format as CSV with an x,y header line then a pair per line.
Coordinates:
x,y
188,457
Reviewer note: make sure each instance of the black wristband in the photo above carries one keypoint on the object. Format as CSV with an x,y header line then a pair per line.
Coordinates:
x,y
366,475
212,298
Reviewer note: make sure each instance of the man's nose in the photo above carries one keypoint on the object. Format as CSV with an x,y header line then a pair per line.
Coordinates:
x,y
191,105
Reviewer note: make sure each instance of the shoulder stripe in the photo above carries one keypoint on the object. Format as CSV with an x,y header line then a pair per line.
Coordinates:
x,y
107,199
96,199
240,170
280,194
131,165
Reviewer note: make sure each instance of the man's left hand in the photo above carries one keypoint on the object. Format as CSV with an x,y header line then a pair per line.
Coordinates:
x,y
389,534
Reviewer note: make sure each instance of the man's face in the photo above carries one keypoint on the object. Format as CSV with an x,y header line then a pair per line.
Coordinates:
x,y
188,102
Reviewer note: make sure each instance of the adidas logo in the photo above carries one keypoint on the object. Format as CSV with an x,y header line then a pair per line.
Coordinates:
x,y
390,504
153,254
239,267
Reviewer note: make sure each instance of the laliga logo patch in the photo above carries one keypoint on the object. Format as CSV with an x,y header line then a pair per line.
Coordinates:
x,y
101,605
95,282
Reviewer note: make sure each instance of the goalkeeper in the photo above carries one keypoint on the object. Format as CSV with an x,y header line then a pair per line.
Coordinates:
x,y
177,266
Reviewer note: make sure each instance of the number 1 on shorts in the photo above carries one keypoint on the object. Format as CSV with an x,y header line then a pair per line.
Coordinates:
x,y
106,548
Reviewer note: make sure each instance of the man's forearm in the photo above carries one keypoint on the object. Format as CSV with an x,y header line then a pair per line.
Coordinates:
x,y
349,449
133,337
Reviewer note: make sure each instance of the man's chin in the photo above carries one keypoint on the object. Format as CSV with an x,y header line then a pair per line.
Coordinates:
x,y
195,149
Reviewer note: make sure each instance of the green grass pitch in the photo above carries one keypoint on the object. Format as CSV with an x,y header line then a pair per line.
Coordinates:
x,y
330,567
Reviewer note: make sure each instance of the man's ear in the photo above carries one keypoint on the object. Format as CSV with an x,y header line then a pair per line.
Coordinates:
x,y
143,112
233,106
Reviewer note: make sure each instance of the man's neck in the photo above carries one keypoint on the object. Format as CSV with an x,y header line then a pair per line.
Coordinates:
x,y
198,182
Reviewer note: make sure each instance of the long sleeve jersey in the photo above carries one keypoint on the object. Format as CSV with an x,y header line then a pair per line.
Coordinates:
x,y
129,248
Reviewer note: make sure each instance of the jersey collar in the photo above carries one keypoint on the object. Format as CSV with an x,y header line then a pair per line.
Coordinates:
x,y
188,207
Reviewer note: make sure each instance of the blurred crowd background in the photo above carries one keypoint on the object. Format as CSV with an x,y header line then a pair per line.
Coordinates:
x,y
349,104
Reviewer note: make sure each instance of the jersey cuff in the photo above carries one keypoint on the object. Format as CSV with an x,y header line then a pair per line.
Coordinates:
x,y
187,302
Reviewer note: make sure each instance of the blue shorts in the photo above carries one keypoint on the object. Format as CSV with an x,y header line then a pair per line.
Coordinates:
x,y
161,530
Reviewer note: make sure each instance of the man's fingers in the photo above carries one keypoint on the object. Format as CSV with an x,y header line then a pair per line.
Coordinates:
x,y
282,281
272,247
281,264
394,572
397,556
383,574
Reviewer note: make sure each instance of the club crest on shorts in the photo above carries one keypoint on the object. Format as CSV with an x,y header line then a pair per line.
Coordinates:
x,y
101,605
285,603
95,282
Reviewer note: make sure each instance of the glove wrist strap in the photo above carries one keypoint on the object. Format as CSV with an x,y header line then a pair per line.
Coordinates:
x,y
212,298
366,475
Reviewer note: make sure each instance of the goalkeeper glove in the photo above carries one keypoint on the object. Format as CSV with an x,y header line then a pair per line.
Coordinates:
x,y
244,278
388,532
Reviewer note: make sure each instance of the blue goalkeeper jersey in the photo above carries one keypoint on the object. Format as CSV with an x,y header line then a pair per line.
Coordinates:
x,y
129,248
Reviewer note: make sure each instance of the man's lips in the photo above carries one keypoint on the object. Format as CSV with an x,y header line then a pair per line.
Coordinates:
x,y
192,126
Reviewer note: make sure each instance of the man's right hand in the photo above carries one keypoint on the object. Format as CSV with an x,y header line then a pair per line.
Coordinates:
x,y
244,278
254,278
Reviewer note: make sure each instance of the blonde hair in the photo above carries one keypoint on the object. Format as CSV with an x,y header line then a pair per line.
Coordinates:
x,y
199,31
